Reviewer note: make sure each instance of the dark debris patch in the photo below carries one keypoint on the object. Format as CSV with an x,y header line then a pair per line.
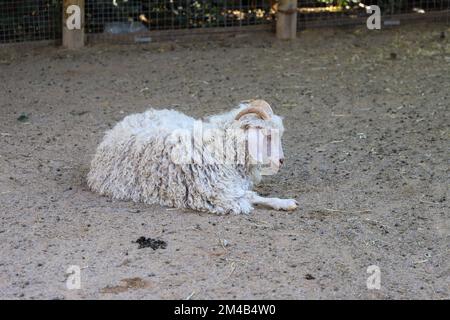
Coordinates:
x,y
23,117
78,113
309,276
152,243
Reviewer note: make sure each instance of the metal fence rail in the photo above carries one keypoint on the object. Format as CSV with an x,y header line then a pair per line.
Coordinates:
x,y
32,20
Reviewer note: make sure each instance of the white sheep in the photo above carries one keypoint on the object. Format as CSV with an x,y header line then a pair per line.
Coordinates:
x,y
168,158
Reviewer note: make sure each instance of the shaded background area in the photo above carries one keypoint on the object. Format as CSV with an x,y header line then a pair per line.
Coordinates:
x,y
31,20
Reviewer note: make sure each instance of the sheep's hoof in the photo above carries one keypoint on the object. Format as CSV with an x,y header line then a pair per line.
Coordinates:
x,y
290,205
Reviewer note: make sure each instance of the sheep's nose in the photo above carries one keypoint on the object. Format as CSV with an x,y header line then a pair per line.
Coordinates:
x,y
281,161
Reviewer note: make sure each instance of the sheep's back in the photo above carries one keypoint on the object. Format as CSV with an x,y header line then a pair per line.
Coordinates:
x,y
135,149
134,162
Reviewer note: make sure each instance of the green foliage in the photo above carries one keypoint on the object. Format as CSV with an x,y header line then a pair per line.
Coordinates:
x,y
30,19
386,6
341,3
22,20
165,14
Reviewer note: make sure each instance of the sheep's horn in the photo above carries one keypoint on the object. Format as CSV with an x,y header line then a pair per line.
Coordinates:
x,y
258,111
262,104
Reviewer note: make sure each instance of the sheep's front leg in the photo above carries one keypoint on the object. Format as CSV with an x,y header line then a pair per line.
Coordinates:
x,y
274,203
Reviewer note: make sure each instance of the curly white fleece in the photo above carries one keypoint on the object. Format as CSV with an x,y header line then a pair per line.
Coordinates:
x,y
139,160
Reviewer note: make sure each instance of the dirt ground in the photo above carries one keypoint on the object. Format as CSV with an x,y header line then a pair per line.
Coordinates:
x,y
367,147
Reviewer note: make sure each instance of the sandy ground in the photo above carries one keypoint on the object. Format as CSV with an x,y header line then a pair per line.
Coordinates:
x,y
367,117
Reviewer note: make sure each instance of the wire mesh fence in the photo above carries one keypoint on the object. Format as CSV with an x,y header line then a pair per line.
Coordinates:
x,y
30,20
122,16
319,13
131,20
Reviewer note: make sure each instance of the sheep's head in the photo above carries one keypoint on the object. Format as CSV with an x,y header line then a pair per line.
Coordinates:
x,y
264,131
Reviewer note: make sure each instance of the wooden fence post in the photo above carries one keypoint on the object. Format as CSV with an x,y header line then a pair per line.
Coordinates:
x,y
287,19
73,24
